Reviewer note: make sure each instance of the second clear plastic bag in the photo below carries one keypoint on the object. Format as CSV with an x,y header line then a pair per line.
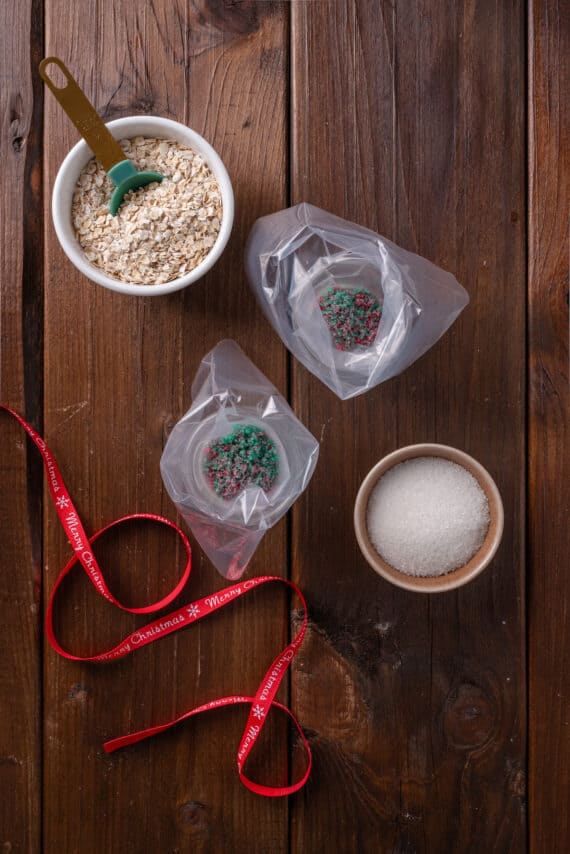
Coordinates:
x,y
237,460
353,307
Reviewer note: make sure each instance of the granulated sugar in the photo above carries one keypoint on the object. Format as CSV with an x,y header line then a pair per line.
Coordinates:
x,y
427,516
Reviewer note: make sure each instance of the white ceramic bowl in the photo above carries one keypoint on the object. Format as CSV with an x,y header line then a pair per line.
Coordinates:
x,y
79,156
457,577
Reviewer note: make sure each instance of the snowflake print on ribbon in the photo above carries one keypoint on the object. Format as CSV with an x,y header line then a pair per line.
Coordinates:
x,y
258,712
193,611
62,501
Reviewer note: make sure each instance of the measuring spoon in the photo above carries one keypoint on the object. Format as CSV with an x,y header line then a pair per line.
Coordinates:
x,y
102,143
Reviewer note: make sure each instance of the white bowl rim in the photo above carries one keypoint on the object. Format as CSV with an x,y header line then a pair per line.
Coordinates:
x,y
81,153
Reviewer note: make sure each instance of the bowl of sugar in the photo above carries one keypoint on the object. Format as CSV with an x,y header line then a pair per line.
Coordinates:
x,y
428,518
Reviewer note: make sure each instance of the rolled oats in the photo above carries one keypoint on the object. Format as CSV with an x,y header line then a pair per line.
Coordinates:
x,y
161,231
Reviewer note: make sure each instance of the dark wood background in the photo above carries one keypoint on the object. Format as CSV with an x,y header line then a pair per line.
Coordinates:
x,y
438,724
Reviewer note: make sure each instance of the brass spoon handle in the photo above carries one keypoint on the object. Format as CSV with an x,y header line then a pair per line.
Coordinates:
x,y
82,113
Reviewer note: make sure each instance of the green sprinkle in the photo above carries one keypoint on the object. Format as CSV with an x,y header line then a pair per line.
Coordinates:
x,y
247,456
352,316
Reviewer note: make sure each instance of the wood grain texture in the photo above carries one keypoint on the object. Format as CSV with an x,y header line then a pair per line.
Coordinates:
x,y
409,119
549,426
21,387
118,376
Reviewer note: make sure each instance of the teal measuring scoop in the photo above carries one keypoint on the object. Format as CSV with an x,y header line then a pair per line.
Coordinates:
x,y
102,143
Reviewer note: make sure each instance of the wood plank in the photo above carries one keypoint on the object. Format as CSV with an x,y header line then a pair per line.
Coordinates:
x,y
549,425
409,119
21,387
118,375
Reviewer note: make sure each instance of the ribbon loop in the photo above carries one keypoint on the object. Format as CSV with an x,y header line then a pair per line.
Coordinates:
x,y
263,700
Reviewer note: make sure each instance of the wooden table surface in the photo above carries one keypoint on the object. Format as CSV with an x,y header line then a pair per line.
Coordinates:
x,y
438,723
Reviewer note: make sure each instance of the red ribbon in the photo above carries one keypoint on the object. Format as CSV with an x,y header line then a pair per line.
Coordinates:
x,y
260,704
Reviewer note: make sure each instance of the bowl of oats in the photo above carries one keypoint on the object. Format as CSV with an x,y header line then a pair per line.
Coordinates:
x,y
165,236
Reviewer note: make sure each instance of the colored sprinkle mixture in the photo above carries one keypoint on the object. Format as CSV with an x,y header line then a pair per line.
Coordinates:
x,y
247,456
352,316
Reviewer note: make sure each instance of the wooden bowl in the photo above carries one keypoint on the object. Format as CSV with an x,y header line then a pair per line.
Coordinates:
x,y
457,577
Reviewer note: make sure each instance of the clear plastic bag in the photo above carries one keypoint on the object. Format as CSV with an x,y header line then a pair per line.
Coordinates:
x,y
302,258
233,404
